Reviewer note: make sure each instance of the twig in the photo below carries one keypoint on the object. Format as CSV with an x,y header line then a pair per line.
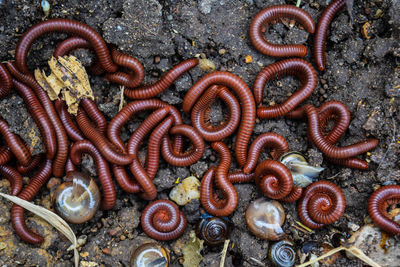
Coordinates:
x,y
121,98
298,3
224,251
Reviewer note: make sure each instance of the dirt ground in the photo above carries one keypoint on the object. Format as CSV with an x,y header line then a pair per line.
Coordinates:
x,y
363,73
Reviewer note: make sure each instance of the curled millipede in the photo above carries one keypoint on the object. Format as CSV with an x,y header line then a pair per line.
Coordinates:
x,y
61,135
33,163
327,148
322,32
179,158
28,193
135,75
275,142
5,154
5,81
207,131
14,177
162,220
40,117
69,124
322,203
103,171
299,68
294,195
149,91
248,105
378,204
106,148
210,202
15,143
64,26
274,12
274,179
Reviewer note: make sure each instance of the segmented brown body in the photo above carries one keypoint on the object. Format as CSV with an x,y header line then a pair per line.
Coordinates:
x,y
274,179
64,26
272,13
322,31
322,203
61,136
106,148
33,164
210,202
299,68
40,117
5,81
273,141
327,148
180,158
378,204
68,122
14,177
149,91
28,193
103,171
162,220
94,114
200,116
5,154
248,111
15,143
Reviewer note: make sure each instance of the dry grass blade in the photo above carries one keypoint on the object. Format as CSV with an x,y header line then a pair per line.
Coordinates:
x,y
52,218
353,250
223,254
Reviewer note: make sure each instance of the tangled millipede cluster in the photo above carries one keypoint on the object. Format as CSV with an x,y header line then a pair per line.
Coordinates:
x,y
66,138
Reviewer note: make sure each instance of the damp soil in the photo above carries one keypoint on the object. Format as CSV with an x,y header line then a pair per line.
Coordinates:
x,y
362,71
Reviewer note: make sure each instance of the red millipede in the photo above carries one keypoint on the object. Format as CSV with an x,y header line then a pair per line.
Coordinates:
x,y
5,81
149,91
69,166
274,179
273,141
327,148
180,158
33,164
106,148
378,204
28,193
272,13
69,124
5,154
40,117
15,143
294,195
209,132
247,101
63,26
14,177
210,202
132,185
125,114
240,177
322,203
103,171
94,114
162,220
62,138
136,72
322,32
297,67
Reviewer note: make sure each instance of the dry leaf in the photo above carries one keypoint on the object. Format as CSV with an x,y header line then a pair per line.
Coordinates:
x,y
191,251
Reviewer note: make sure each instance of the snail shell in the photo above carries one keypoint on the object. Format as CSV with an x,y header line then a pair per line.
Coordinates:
x,y
213,230
78,198
150,254
282,254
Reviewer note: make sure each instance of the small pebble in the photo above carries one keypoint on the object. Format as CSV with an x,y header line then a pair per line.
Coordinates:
x,y
157,59
203,56
212,158
106,251
155,74
122,237
222,51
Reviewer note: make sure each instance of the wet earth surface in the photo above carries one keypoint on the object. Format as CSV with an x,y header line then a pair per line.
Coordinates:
x,y
362,71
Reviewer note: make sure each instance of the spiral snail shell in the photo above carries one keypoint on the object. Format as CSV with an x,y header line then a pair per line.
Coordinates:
x,y
213,230
282,254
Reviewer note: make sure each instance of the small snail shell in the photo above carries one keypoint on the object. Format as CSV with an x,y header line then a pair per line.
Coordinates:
x,y
282,254
150,254
78,198
265,218
213,230
302,172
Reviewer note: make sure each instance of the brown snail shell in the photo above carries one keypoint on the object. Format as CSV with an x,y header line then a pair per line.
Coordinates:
x,y
78,198
213,230
265,218
150,254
